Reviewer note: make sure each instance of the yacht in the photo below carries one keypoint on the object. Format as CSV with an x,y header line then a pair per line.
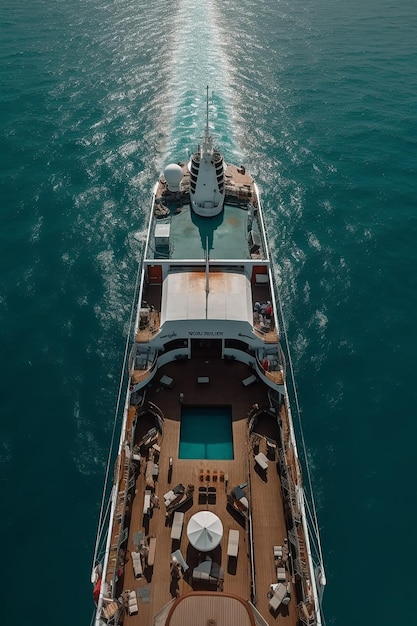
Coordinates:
x,y
205,518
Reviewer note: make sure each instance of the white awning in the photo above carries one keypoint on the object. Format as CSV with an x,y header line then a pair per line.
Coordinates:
x,y
184,297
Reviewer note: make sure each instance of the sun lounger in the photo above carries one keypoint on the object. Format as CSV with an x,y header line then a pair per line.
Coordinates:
x,y
178,558
137,564
151,552
202,571
172,495
147,502
203,568
279,594
233,543
262,461
110,610
281,575
168,496
278,552
208,572
178,504
133,603
176,529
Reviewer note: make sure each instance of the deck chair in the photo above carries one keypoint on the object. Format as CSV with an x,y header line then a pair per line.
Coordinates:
x,y
233,543
151,552
279,594
176,557
281,575
137,564
202,495
278,553
133,603
177,523
111,610
211,495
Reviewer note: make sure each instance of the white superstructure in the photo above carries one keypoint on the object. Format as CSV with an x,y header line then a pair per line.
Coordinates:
x,y
207,185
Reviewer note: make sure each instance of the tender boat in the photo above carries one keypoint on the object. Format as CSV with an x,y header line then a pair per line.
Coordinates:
x,y
205,518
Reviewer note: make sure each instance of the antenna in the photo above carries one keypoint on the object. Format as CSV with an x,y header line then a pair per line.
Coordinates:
x,y
207,112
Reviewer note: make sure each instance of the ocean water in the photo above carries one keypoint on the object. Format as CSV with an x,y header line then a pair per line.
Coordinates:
x,y
319,100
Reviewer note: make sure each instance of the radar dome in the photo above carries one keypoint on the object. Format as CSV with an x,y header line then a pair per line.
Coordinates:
x,y
173,175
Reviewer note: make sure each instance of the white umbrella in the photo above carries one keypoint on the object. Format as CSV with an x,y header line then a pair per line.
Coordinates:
x,y
205,531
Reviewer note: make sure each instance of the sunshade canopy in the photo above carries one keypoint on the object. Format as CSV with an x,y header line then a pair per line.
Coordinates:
x,y
196,296
204,531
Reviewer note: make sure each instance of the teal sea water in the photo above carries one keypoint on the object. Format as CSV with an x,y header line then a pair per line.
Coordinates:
x,y
319,99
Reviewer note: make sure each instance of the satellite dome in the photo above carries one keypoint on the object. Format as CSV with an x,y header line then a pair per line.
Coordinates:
x,y
173,174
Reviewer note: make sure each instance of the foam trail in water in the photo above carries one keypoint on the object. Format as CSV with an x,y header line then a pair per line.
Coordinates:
x,y
198,60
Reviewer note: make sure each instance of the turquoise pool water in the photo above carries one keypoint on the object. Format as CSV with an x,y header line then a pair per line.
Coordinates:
x,y
206,433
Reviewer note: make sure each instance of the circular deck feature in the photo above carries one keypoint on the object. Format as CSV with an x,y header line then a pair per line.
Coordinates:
x,y
205,531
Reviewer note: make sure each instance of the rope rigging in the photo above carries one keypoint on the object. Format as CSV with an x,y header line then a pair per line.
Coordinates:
x,y
313,512
102,515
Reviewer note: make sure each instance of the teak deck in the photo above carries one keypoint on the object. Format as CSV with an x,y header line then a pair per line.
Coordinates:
x,y
264,491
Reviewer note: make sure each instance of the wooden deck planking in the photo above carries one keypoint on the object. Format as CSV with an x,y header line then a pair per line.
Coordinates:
x,y
269,530
269,526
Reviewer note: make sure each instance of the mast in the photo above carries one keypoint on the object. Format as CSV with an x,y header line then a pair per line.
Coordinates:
x,y
207,275
207,111
207,183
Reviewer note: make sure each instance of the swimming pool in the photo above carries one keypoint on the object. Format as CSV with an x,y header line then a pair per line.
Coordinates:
x,y
206,433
